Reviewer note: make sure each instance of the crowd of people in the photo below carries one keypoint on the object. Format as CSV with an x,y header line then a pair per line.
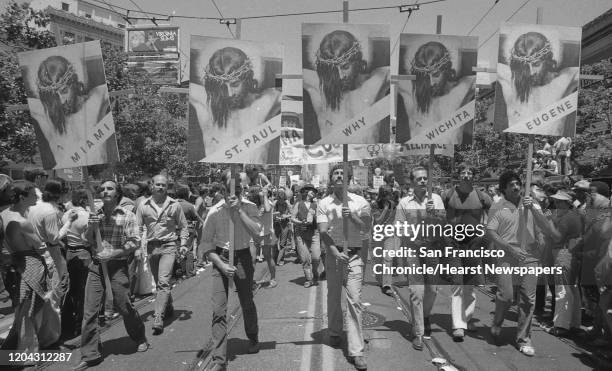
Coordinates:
x,y
64,254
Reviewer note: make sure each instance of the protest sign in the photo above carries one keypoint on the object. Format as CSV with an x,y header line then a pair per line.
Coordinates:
x,y
538,73
68,100
154,50
234,107
360,175
346,83
377,182
438,106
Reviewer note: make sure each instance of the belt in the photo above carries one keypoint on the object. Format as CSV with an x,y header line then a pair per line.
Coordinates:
x,y
157,243
225,252
78,247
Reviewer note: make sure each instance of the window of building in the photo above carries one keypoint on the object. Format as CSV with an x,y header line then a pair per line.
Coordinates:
x,y
120,25
87,15
87,38
68,38
65,7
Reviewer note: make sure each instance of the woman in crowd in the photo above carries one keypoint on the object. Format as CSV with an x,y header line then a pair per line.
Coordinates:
x,y
386,203
282,225
32,325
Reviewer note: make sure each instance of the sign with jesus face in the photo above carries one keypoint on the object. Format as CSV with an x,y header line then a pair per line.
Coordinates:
x,y
538,71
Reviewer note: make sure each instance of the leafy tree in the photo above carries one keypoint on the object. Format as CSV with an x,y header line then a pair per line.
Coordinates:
x,y
21,29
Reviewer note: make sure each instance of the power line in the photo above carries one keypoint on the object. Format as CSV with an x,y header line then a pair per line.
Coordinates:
x,y
507,19
139,8
398,6
483,17
403,28
227,24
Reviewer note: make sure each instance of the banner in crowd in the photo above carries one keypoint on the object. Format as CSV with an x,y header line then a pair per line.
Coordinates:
x,y
538,73
234,105
154,51
69,105
152,39
346,83
437,107
360,175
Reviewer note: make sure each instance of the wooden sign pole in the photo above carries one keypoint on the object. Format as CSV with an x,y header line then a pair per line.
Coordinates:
x,y
98,235
345,163
432,146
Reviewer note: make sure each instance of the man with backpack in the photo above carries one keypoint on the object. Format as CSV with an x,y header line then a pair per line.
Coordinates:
x,y
465,205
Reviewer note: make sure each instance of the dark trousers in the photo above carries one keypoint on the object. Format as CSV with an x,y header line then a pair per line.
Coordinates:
x,y
78,261
243,279
91,346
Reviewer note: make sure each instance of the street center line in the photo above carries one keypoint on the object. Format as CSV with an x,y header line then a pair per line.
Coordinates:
x,y
328,351
307,348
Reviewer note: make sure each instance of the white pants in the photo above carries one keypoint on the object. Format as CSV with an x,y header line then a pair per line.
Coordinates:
x,y
463,303
567,306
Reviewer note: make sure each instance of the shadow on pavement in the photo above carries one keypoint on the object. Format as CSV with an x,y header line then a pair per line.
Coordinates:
x,y
238,347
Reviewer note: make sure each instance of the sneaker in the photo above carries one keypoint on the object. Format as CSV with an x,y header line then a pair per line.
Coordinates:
x,y
417,342
360,362
253,347
527,349
281,263
308,284
458,335
272,284
158,325
144,346
335,340
427,326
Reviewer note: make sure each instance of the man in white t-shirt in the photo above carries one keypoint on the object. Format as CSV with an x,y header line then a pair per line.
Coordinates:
x,y
344,268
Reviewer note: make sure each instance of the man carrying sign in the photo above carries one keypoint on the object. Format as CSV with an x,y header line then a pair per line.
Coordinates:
x,y
216,245
120,238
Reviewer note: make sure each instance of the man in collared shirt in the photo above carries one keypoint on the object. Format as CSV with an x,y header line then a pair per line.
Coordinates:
x,y
216,244
344,268
165,223
422,288
120,237
513,230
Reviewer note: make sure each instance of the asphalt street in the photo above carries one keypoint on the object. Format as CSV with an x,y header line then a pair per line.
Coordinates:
x,y
292,322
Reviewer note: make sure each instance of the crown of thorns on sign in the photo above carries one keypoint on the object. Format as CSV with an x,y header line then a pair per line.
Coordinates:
x,y
341,59
432,68
233,76
529,59
58,85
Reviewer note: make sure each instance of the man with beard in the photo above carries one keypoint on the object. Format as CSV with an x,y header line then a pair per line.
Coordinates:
x,y
340,88
231,102
532,81
64,110
434,95
344,268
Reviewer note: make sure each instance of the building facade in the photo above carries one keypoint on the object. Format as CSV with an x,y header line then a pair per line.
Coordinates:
x,y
75,21
597,38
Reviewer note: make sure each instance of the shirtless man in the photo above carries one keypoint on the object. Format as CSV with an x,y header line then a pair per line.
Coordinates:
x,y
533,81
340,89
435,94
230,102
68,115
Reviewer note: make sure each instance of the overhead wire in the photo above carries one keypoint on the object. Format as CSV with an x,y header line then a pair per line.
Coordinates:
x,y
483,17
403,28
274,15
227,24
507,19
